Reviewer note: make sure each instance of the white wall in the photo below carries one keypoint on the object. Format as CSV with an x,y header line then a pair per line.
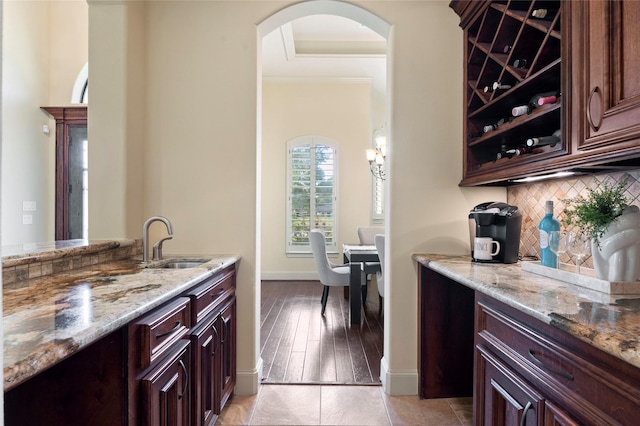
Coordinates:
x,y
337,110
200,129
39,70
27,170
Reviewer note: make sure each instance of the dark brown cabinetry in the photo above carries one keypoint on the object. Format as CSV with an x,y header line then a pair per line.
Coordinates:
x,y
160,365
510,57
173,366
507,398
227,322
165,389
214,348
526,369
71,133
606,69
586,50
520,370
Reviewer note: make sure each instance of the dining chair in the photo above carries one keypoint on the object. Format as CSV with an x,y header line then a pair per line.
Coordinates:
x,y
330,275
379,240
366,235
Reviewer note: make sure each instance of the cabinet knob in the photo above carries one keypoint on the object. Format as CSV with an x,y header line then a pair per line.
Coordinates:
x,y
595,127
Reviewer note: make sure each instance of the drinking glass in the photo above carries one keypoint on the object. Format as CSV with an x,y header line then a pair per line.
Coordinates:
x,y
578,245
558,244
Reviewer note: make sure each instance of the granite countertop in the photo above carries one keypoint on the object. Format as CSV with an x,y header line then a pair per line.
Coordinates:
x,y
49,318
608,322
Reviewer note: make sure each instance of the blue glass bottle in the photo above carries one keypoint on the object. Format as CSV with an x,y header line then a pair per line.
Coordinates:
x,y
548,224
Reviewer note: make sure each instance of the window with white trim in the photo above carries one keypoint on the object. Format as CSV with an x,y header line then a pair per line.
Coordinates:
x,y
311,191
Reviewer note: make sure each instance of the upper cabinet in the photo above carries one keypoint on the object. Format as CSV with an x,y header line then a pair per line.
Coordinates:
x,y
606,76
548,86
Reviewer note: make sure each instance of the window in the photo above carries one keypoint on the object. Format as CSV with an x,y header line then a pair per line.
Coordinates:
x,y
311,191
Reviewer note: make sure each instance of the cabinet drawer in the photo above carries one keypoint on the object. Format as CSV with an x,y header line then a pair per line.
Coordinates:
x,y
209,294
563,375
157,331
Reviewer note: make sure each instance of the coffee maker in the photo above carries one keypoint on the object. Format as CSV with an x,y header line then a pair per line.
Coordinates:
x,y
498,221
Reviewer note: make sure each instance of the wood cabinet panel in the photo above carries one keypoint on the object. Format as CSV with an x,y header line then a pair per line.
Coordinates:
x,y
206,296
583,384
214,346
159,330
510,57
610,62
504,398
205,340
165,389
588,51
227,329
445,337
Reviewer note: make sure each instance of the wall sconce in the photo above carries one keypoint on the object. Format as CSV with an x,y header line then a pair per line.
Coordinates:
x,y
377,155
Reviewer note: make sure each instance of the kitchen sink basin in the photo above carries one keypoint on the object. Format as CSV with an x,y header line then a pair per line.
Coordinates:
x,y
180,264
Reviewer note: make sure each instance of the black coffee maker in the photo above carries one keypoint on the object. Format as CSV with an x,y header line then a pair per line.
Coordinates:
x,y
501,222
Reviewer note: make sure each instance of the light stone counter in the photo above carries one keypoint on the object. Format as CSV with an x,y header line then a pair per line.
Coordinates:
x,y
610,323
50,317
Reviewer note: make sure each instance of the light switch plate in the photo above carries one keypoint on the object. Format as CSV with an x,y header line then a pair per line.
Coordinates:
x,y
29,206
27,219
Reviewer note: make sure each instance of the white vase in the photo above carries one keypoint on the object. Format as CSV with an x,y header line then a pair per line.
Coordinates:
x,y
617,258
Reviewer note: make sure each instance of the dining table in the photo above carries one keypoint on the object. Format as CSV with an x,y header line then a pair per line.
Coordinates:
x,y
356,255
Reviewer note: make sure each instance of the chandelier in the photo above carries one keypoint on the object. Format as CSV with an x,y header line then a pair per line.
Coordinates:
x,y
377,155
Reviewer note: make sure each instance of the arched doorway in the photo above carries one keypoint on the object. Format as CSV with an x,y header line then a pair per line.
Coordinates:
x,y
301,10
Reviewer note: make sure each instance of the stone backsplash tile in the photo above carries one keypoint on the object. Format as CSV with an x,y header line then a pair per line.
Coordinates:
x,y
530,199
15,274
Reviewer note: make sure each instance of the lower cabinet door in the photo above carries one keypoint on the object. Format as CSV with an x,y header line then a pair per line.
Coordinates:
x,y
554,416
165,389
505,399
227,327
205,344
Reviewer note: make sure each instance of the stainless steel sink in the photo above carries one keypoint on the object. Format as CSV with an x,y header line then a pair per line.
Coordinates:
x,y
180,264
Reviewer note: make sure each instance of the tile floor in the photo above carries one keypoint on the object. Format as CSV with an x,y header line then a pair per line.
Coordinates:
x,y
341,405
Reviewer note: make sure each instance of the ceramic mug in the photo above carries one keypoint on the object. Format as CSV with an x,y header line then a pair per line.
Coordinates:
x,y
482,248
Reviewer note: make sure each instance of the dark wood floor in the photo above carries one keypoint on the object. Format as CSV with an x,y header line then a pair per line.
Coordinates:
x,y
299,345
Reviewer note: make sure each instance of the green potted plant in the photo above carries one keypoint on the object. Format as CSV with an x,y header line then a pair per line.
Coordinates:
x,y
613,226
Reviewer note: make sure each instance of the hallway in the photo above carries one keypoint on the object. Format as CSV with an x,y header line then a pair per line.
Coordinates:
x,y
299,345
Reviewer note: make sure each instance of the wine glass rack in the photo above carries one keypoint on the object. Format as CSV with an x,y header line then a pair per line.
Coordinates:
x,y
511,56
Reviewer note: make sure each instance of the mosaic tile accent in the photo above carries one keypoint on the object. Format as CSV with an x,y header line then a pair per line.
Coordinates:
x,y
16,269
530,199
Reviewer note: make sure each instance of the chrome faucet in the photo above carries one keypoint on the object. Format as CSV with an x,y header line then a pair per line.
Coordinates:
x,y
145,238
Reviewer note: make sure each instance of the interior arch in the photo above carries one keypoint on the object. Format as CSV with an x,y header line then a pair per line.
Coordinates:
x,y
282,17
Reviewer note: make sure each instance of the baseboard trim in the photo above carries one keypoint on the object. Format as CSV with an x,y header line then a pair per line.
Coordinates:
x,y
248,382
398,383
289,276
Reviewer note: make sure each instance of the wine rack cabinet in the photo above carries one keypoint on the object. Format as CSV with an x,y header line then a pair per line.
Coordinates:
x,y
506,47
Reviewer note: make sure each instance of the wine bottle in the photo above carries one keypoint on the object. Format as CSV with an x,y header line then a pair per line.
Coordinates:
x,y
535,102
501,86
520,63
506,48
548,224
544,13
524,150
506,153
546,140
494,126
473,135
496,85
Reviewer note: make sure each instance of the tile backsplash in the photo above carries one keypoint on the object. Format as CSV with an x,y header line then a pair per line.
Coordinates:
x,y
530,199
